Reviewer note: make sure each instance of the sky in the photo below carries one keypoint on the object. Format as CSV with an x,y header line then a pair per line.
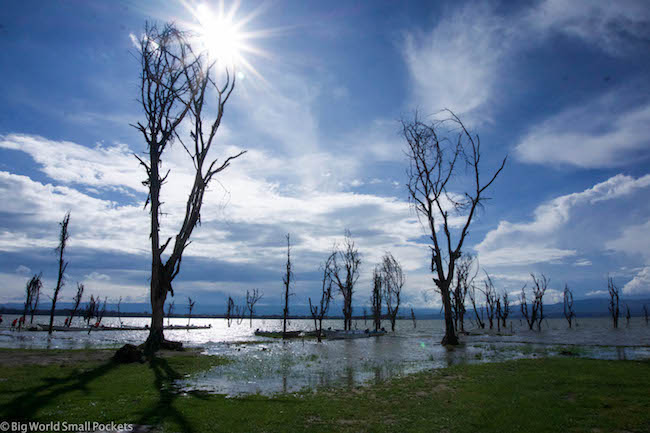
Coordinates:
x,y
561,88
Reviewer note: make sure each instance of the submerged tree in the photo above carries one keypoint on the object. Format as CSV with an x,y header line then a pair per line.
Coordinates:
x,y
119,313
436,162
505,308
376,297
413,319
251,300
540,285
645,313
170,311
393,279
627,315
175,83
345,273
491,299
613,301
530,316
230,311
569,313
287,287
92,310
190,307
472,297
63,265
77,302
464,280
32,293
318,312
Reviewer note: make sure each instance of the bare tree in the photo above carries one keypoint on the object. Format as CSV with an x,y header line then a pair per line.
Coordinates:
x,y
413,319
251,300
472,297
190,307
613,301
435,163
92,309
99,314
531,317
464,280
318,312
628,316
645,313
345,275
60,281
119,313
394,280
491,299
569,313
505,308
32,293
170,311
498,312
539,288
77,302
287,287
175,83
376,297
230,311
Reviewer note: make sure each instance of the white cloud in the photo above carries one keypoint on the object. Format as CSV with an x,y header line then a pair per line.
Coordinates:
x,y
22,269
640,284
597,293
595,134
582,262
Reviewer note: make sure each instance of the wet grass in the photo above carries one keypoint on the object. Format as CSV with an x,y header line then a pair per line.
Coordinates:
x,y
533,395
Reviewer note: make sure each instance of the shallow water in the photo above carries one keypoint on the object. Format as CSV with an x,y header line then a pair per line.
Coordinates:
x,y
268,366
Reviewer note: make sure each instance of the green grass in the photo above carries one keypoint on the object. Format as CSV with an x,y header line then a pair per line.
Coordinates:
x,y
554,395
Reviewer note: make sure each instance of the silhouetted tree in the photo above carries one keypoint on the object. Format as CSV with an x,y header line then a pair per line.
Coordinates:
x,y
92,309
464,280
100,315
230,311
170,311
287,286
376,297
472,297
627,315
119,313
613,301
251,300
318,312
345,273
175,83
435,163
569,314
505,308
393,279
77,302
645,313
32,293
491,299
190,307
60,281
531,317
539,288
413,319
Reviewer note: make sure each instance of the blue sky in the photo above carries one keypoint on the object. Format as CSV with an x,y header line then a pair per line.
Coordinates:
x,y
562,88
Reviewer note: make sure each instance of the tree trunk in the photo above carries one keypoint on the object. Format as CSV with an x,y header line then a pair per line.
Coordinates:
x,y
450,337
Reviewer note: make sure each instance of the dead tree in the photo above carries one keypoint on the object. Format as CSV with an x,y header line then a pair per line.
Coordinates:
x,y
170,311
393,279
505,308
464,280
628,316
190,307
345,272
100,315
531,317
413,319
119,313
287,287
32,293
60,281
251,300
472,297
539,288
318,312
435,163
92,310
614,297
175,83
77,302
365,316
230,311
498,313
569,314
376,297
645,313
491,299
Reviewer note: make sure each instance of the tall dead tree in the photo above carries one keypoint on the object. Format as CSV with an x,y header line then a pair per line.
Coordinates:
x,y
628,316
645,313
190,307
345,272
530,316
63,265
614,298
119,313
176,83
464,280
472,297
230,311
287,288
251,300
435,164
376,297
92,309
491,299
569,313
505,308
318,312
77,302
540,284
413,319
394,280
32,293
170,311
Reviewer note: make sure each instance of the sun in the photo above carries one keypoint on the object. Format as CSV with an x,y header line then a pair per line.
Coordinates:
x,y
221,35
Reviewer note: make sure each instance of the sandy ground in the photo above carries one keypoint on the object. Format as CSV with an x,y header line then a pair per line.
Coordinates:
x,y
17,357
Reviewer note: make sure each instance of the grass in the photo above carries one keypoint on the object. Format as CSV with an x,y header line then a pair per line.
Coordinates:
x,y
539,395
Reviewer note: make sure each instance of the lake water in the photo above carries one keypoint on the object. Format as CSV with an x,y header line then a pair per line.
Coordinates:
x,y
268,366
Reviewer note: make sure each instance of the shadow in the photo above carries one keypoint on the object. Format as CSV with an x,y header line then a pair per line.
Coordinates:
x,y
30,400
164,409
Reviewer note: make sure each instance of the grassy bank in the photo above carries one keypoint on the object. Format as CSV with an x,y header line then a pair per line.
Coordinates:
x,y
559,394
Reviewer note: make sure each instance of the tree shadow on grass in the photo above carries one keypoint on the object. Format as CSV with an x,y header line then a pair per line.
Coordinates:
x,y
31,400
